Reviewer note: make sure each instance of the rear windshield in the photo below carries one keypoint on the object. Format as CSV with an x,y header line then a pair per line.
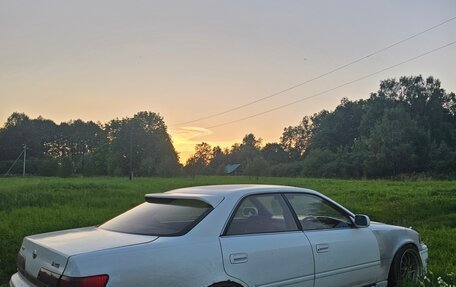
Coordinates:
x,y
161,217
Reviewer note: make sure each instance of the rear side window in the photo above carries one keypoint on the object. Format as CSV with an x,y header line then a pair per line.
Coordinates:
x,y
164,217
262,214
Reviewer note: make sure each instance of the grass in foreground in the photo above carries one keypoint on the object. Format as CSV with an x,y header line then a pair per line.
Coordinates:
x,y
36,205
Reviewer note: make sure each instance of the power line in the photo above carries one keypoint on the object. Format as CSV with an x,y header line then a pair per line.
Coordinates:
x,y
317,77
332,89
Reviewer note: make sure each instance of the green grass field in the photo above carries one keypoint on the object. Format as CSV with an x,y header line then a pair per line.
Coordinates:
x,y
36,205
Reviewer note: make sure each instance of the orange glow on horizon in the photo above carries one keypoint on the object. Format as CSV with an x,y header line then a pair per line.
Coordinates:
x,y
185,138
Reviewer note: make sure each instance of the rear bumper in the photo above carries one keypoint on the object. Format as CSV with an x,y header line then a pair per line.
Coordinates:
x,y
17,280
424,257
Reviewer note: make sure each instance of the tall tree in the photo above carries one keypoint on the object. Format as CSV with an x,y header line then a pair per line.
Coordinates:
x,y
219,160
274,153
199,162
141,144
337,129
248,149
295,140
394,144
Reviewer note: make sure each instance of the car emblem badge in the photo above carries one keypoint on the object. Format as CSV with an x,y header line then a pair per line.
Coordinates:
x,y
34,254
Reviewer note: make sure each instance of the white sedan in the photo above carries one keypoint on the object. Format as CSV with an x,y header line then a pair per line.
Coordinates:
x,y
226,236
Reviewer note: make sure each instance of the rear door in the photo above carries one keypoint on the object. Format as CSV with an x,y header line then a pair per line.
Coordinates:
x,y
344,255
263,245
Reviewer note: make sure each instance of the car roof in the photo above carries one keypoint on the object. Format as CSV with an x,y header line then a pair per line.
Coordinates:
x,y
214,194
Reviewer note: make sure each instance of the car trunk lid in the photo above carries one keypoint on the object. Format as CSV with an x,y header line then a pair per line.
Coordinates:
x,y
52,250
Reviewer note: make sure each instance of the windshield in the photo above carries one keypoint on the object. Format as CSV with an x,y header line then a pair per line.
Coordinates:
x,y
170,217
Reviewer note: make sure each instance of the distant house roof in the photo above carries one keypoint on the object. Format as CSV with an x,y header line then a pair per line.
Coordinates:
x,y
230,168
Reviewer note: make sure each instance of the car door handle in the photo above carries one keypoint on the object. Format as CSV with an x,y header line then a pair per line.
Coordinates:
x,y
237,258
322,248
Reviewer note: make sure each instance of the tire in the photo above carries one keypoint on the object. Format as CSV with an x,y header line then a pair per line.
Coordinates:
x,y
406,266
225,284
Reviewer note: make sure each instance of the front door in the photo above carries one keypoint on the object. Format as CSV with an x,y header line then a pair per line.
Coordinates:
x,y
345,256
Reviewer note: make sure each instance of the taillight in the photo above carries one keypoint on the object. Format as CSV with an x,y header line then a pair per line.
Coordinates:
x,y
92,281
55,280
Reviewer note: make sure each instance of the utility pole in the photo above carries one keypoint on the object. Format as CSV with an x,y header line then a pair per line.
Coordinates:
x,y
131,157
25,155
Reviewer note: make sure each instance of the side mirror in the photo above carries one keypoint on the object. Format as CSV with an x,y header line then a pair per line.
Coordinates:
x,y
362,220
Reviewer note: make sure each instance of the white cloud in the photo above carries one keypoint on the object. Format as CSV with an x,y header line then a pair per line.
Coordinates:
x,y
192,132
185,139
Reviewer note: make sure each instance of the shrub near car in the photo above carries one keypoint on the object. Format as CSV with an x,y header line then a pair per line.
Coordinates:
x,y
226,236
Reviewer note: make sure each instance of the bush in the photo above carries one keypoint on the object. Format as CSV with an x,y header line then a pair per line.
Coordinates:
x,y
257,167
320,163
169,167
48,167
292,169
65,168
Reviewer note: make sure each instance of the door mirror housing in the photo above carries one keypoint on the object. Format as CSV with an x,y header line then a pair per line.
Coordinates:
x,y
362,220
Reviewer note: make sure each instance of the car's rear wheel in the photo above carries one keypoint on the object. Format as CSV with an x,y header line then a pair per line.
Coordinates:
x,y
406,266
225,284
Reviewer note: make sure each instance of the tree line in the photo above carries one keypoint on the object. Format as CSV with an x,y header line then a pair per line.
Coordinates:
x,y
140,144
407,127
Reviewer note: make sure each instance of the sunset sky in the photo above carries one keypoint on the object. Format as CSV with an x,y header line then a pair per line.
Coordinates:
x,y
98,60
